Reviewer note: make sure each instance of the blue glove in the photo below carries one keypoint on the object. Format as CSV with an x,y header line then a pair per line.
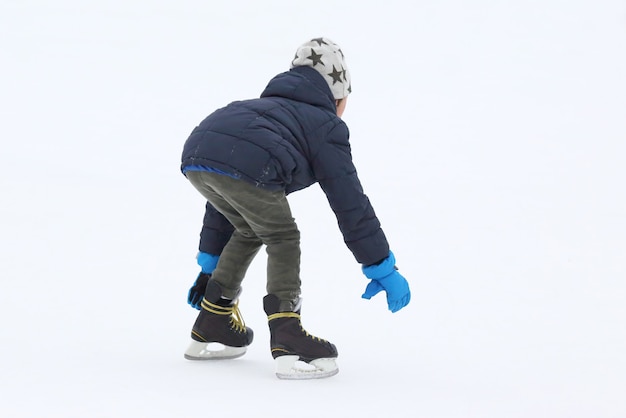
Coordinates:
x,y
207,262
385,276
196,292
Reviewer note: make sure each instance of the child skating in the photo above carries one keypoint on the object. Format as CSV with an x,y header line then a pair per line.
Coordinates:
x,y
245,159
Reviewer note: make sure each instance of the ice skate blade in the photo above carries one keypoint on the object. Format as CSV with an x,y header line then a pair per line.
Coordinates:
x,y
291,368
212,351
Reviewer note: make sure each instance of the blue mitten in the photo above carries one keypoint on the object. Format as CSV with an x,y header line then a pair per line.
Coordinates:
x,y
385,276
207,262
196,292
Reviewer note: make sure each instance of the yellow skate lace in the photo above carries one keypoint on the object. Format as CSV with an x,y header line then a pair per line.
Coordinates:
x,y
293,315
236,319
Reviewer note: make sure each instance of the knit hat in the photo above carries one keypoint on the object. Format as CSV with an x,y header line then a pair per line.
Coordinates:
x,y
326,57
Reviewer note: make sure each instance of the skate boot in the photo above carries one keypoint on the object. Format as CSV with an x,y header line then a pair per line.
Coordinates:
x,y
298,354
219,331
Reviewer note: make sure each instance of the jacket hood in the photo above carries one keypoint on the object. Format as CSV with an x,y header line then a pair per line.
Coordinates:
x,y
302,84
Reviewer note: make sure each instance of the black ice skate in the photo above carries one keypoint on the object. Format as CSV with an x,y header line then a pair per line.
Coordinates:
x,y
298,354
219,331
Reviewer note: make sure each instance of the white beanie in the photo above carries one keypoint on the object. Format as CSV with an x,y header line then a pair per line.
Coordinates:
x,y
326,57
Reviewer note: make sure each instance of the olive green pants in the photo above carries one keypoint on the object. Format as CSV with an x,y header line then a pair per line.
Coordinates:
x,y
260,217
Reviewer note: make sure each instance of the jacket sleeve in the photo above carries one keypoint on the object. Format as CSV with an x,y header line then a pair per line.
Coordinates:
x,y
216,231
337,176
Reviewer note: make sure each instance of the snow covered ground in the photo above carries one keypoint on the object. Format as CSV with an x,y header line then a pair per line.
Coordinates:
x,y
490,137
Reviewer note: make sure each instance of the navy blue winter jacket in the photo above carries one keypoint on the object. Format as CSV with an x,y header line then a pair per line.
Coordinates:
x,y
288,139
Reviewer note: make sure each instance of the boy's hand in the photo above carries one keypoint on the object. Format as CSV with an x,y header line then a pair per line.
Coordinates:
x,y
196,292
385,276
207,262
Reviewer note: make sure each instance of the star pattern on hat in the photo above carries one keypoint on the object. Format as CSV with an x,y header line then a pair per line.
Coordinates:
x,y
336,75
328,54
320,41
316,58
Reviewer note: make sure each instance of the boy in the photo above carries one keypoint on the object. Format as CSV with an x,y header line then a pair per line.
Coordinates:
x,y
244,159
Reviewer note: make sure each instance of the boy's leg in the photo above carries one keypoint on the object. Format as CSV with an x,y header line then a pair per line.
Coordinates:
x,y
242,246
268,217
259,217
234,261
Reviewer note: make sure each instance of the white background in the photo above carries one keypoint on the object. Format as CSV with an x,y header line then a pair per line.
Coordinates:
x,y
489,135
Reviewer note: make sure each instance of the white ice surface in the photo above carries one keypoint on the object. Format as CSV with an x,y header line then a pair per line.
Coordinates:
x,y
490,137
